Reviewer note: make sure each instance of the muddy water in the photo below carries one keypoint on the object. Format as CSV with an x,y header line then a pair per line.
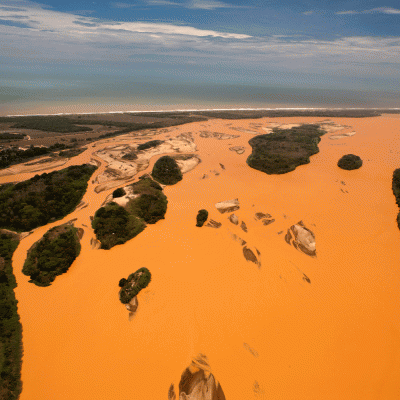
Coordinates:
x,y
267,333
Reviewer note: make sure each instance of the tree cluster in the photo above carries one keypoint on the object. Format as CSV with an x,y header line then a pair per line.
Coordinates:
x,y
201,217
118,193
349,162
134,284
150,144
396,191
10,326
52,255
43,198
166,171
284,149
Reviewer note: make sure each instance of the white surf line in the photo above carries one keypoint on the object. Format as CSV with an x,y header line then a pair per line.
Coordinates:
x,y
208,109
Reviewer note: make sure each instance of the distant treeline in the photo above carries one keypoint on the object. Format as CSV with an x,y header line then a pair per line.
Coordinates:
x,y
396,191
43,198
11,136
10,326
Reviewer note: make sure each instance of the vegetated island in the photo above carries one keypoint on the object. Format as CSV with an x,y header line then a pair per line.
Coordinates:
x,y
166,171
349,162
283,150
114,224
133,285
201,217
44,198
10,326
396,191
52,255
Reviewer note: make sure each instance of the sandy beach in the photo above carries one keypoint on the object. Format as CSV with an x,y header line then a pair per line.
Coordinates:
x,y
267,332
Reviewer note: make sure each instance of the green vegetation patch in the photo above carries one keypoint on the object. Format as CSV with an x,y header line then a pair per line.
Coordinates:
x,y
114,225
166,171
396,191
349,162
10,326
150,144
134,284
130,156
43,198
151,203
11,136
52,255
201,217
118,193
47,124
284,149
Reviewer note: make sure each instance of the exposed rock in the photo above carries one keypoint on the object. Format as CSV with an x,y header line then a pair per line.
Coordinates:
x,y
222,166
303,239
234,219
250,256
306,278
171,392
268,221
243,226
238,149
214,224
261,215
132,307
227,206
238,239
198,383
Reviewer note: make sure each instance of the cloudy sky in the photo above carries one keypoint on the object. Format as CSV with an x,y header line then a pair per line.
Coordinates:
x,y
320,44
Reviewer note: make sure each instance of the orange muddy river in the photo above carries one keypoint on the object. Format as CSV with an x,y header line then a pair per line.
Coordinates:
x,y
267,333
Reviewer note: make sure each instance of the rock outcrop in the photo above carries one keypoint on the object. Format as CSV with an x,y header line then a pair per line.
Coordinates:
x,y
198,383
234,219
228,206
301,238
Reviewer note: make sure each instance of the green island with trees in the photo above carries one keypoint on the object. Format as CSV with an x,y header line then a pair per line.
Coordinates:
x,y
283,150
396,191
133,285
349,162
166,171
149,145
114,224
52,255
10,325
201,217
44,198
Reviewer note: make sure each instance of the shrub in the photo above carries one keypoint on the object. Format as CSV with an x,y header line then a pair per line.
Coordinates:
x,y
134,284
119,193
349,162
166,171
122,282
201,217
149,145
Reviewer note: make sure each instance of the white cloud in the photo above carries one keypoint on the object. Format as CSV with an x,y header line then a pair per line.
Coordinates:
x,y
308,12
378,10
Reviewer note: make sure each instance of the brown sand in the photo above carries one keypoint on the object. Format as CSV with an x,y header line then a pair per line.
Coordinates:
x,y
334,338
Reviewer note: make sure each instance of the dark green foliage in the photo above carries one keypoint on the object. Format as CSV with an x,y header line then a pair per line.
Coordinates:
x,y
11,136
52,255
349,162
166,171
113,225
134,284
396,191
122,282
149,145
48,124
10,326
43,198
130,156
284,149
151,204
118,193
201,217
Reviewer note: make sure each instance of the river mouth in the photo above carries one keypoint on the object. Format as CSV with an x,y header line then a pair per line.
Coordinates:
x,y
266,331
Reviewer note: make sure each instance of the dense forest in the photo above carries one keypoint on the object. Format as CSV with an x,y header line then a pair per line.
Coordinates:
x,y
44,198
133,285
10,326
52,255
284,149
166,171
349,162
396,191
114,224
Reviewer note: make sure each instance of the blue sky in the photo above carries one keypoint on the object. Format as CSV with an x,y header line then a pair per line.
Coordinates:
x,y
349,44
